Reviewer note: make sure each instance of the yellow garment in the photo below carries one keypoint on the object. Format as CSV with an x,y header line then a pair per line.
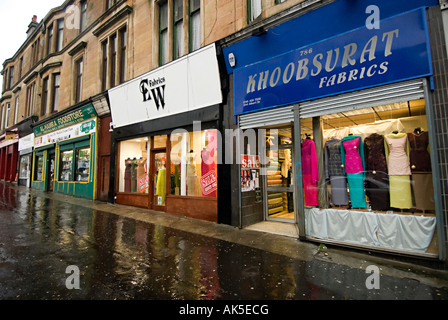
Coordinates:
x,y
400,192
161,184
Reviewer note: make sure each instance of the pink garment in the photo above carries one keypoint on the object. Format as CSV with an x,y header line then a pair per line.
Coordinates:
x,y
353,160
398,161
310,172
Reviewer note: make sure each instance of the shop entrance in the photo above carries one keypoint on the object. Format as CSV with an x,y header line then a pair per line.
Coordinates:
x,y
158,174
278,175
50,172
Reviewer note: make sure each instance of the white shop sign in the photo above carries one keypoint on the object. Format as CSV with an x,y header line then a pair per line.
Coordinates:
x,y
26,142
75,131
188,83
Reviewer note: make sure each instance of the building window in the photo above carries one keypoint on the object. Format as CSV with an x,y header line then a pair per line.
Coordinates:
x,y
56,84
30,100
123,44
82,164
38,168
60,34
78,79
195,24
113,60
253,9
83,16
113,64
105,52
8,109
66,165
45,85
163,33
35,51
110,3
16,110
49,39
11,77
178,29
20,67
5,80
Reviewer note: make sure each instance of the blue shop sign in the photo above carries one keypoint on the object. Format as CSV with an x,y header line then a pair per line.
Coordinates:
x,y
355,60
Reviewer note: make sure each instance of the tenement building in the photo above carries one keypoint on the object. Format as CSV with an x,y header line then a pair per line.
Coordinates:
x,y
324,120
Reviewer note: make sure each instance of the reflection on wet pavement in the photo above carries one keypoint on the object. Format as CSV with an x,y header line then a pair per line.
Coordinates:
x,y
121,258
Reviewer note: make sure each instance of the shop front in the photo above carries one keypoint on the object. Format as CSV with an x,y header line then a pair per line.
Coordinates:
x,y
165,137
8,155
345,133
25,149
64,153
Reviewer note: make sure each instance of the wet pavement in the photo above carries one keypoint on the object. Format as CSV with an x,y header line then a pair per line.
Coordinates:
x,y
125,253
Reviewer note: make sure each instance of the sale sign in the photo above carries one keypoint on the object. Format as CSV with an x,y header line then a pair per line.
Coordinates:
x,y
209,182
143,182
250,162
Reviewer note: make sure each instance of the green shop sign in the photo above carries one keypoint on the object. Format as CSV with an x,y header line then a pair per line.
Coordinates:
x,y
66,120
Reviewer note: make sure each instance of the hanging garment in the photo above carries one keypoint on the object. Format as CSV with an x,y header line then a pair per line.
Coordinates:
x,y
161,184
377,179
310,172
397,156
335,173
127,175
420,162
352,155
134,175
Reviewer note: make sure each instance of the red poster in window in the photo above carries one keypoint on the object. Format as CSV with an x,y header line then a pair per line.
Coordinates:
x,y
209,184
143,182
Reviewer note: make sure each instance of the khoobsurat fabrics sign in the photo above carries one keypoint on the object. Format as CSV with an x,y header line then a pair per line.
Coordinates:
x,y
188,83
354,60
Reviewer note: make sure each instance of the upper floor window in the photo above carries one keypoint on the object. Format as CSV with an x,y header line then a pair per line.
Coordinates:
x,y
83,16
35,52
49,39
30,91
163,33
56,85
253,9
16,110
110,3
78,79
20,67
195,24
113,64
59,34
45,87
8,108
178,29
11,77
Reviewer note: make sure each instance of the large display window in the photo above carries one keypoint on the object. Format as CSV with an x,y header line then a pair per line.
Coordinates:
x,y
133,165
38,167
371,182
193,164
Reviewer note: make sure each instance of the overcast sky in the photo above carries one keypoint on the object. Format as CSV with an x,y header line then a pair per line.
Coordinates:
x,y
15,16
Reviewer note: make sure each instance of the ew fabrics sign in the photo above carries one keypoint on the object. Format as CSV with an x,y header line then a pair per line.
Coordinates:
x,y
188,83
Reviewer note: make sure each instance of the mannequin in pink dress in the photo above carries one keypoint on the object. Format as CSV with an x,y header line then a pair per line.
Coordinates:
x,y
310,172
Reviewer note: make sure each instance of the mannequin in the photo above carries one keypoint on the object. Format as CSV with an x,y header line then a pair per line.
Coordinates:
x,y
397,156
334,172
352,154
310,172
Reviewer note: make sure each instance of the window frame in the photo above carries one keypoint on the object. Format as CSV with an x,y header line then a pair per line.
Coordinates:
x,y
83,16
191,38
79,68
163,32
45,95
50,36
55,88
59,34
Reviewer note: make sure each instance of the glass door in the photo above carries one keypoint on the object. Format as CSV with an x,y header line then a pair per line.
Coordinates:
x,y
279,181
159,179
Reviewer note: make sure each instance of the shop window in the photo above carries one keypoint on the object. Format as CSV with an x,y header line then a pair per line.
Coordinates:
x,y
66,166
194,164
24,167
82,164
369,177
134,166
38,169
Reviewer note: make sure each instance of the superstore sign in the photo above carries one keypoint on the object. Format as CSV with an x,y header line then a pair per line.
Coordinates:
x,y
358,59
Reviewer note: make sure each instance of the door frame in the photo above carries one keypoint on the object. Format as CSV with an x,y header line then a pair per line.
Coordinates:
x,y
152,203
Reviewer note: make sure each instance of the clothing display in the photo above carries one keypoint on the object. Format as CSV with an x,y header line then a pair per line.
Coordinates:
x,y
352,155
127,175
310,172
420,162
161,184
134,175
334,172
397,156
377,178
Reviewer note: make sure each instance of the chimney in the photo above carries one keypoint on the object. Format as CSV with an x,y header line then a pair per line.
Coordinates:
x,y
32,26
